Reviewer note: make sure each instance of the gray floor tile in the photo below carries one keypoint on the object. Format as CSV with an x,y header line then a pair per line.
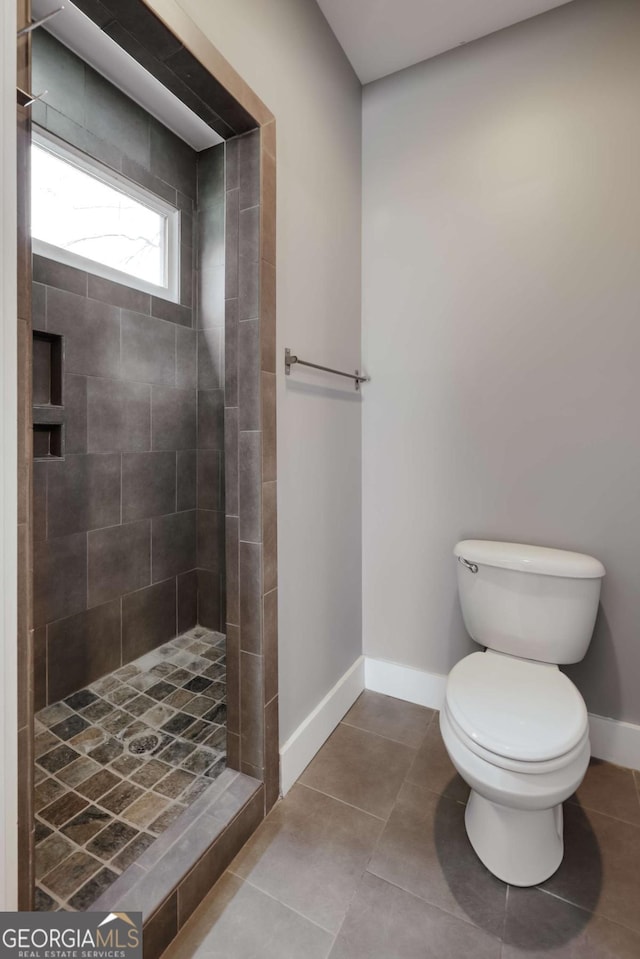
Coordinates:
x,y
433,769
237,921
392,718
360,768
600,868
610,790
385,922
539,926
310,853
424,849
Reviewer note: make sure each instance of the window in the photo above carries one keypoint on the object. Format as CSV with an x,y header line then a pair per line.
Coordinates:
x,y
87,216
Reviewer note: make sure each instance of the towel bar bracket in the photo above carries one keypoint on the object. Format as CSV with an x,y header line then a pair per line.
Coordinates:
x,y
290,359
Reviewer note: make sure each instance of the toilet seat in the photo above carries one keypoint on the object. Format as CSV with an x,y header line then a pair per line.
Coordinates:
x,y
515,713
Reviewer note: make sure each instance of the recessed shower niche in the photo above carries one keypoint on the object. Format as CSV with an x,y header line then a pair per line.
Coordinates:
x,y
154,718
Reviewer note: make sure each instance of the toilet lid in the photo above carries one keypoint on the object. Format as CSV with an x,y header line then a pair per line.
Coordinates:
x,y
512,707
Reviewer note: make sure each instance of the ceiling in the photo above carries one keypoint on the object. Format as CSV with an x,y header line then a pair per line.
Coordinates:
x,y
382,36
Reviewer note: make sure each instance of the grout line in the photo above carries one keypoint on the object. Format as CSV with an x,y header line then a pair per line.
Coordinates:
x,y
273,898
365,812
389,739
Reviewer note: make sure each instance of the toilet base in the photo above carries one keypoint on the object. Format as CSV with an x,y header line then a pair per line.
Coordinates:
x,y
521,847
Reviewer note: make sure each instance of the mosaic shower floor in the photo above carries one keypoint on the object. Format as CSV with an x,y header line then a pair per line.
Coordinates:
x,y
119,761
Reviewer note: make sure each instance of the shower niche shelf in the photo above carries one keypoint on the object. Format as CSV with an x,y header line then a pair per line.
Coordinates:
x,y
48,396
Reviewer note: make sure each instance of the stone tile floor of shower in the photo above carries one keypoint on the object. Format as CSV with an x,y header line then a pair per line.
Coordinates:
x,y
119,761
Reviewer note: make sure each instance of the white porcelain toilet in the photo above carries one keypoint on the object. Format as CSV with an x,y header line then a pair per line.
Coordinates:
x,y
514,726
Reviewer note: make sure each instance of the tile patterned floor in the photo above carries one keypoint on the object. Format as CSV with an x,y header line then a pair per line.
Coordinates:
x,y
367,858
117,762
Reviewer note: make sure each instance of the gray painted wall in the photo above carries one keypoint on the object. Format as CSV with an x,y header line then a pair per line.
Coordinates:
x,y
501,326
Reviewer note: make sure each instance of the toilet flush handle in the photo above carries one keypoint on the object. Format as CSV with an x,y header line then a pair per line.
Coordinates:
x,y
472,567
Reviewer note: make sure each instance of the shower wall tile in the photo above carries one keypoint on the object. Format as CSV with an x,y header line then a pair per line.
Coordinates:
x,y
270,644
249,169
269,438
172,160
91,330
249,374
231,441
118,416
187,600
232,228
231,353
210,479
174,419
211,293
148,619
268,209
75,402
82,648
186,359
119,295
211,420
232,568
173,545
173,312
119,561
209,605
59,578
211,359
59,276
268,316
148,485
186,479
211,540
83,493
251,709
148,349
251,597
269,537
248,288
250,483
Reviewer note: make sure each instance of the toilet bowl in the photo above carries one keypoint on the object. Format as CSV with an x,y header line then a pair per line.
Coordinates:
x,y
515,727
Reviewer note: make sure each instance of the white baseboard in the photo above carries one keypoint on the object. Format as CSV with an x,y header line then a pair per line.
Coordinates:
x,y
304,743
611,739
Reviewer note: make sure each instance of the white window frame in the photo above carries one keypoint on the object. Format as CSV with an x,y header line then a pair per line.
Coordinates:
x,y
71,155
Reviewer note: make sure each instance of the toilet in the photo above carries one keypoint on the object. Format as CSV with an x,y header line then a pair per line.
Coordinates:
x,y
515,727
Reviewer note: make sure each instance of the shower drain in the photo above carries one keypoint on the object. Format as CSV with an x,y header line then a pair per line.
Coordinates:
x,y
143,744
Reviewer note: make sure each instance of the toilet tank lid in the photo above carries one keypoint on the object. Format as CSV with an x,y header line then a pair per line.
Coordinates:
x,y
530,559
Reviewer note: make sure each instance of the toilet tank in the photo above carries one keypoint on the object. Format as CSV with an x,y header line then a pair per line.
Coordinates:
x,y
528,601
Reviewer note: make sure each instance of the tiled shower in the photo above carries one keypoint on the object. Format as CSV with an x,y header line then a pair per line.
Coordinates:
x,y
129,509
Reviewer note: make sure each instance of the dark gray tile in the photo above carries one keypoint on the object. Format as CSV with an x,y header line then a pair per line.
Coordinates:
x,y
187,600
248,288
119,561
91,330
117,119
209,600
231,353
141,23
211,540
174,417
270,644
539,925
148,485
173,545
231,462
211,293
391,718
210,479
384,921
39,501
143,177
232,181
186,479
269,439
118,416
250,596
211,234
83,493
424,849
211,359
250,484
249,234
232,241
211,420
118,294
148,349
70,874
78,136
52,273
249,169
161,928
148,619
186,359
269,537
86,824
39,668
60,578
57,70
249,375
211,171
75,402
172,160
175,313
